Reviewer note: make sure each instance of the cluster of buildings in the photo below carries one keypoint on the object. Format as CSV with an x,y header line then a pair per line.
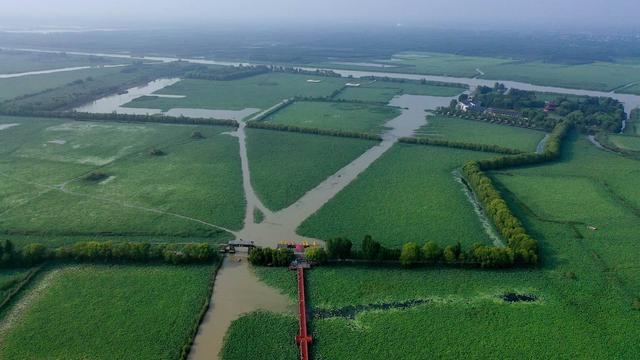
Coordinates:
x,y
469,105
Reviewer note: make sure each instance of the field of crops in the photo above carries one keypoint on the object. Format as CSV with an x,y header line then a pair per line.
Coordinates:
x,y
261,91
341,116
455,129
18,86
409,194
246,337
284,166
384,91
37,156
596,194
133,312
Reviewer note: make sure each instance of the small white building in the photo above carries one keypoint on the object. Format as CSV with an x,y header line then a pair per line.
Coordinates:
x,y
466,105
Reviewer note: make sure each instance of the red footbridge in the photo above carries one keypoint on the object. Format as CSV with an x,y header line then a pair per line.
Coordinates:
x,y
303,339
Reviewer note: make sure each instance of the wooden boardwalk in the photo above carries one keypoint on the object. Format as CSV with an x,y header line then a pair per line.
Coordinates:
x,y
303,338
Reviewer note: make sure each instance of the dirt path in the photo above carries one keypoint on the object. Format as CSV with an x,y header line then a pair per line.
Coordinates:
x,y
237,291
63,189
28,298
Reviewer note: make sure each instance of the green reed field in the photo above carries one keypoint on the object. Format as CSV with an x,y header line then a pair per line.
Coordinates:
x,y
44,165
456,129
261,91
409,194
364,118
132,312
285,165
277,345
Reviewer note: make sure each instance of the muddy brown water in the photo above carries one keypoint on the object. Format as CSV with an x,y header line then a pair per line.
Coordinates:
x,y
237,291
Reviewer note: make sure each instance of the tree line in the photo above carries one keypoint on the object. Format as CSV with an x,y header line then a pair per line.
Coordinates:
x,y
411,81
107,252
271,257
551,151
460,145
316,131
410,254
116,117
522,247
274,110
544,123
225,73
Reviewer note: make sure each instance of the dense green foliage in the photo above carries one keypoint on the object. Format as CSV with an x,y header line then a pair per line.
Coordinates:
x,y
522,248
284,166
261,336
107,252
271,257
339,248
587,113
125,309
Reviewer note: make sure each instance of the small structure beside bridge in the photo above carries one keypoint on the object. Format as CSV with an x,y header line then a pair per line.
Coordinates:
x,y
232,245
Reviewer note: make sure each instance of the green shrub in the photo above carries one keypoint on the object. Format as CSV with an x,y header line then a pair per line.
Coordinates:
x,y
410,254
339,248
316,254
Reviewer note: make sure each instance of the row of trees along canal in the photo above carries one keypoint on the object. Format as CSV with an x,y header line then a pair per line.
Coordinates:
x,y
107,252
521,249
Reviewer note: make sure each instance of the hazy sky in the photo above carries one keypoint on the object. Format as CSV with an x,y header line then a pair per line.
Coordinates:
x,y
573,13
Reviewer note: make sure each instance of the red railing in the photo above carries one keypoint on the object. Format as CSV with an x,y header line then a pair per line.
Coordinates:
x,y
303,339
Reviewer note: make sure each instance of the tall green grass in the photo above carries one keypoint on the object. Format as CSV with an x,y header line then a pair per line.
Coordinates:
x,y
116,312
